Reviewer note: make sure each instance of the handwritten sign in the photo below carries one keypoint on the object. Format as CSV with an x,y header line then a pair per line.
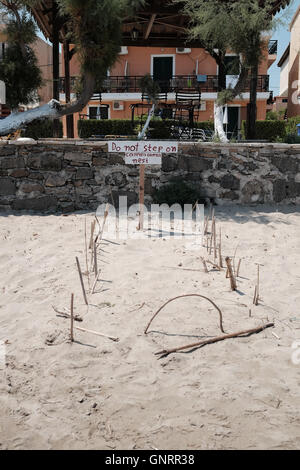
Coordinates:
x,y
140,159
142,152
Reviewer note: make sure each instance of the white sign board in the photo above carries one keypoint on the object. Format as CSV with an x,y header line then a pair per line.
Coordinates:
x,y
134,159
142,152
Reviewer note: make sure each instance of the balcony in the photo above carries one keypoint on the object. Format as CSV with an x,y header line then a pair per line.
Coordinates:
x,y
273,46
202,83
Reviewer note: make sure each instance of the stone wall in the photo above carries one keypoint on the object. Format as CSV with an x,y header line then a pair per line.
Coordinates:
x,y
74,175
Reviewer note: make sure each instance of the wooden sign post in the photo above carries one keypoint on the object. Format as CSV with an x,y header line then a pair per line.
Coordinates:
x,y
142,152
141,197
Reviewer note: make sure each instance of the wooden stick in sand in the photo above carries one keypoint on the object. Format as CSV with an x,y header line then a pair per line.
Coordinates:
x,y
81,281
220,249
95,260
255,296
256,291
86,253
238,268
230,272
93,225
257,283
205,226
204,265
215,238
96,280
166,352
100,235
96,333
72,318
211,243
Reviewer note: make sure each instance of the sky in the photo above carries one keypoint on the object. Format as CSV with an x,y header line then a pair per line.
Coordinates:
x,y
282,34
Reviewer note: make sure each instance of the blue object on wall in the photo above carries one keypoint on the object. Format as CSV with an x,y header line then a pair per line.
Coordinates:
x,y
201,78
298,128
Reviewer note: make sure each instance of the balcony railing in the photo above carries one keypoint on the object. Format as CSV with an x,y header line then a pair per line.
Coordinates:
x,y
273,46
202,83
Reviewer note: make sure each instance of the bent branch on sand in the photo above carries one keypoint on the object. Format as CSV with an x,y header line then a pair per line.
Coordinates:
x,y
166,352
183,296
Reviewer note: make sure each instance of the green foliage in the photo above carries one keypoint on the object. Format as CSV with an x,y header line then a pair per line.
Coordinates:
x,y
96,29
235,26
21,74
267,130
159,129
292,139
149,87
272,116
20,28
275,115
103,127
41,129
177,192
291,125
18,68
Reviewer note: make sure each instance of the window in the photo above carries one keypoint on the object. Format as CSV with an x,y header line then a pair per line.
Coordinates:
x,y
98,112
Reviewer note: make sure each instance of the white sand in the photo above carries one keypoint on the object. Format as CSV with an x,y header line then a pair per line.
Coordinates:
x,y
96,394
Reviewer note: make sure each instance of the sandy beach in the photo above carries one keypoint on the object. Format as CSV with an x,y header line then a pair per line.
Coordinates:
x,y
241,393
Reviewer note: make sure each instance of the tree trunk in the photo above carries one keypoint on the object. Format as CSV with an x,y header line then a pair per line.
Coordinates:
x,y
55,62
69,117
52,110
218,120
150,115
221,75
251,107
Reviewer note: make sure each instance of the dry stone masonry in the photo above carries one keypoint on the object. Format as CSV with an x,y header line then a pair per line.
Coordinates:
x,y
74,175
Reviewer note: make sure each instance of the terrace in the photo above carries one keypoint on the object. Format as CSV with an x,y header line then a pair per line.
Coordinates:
x,y
202,83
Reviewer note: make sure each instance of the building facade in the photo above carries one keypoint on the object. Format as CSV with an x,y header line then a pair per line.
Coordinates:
x,y
175,69
289,64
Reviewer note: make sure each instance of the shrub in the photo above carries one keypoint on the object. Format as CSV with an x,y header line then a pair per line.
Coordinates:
x,y
291,125
103,127
177,192
41,129
267,130
292,139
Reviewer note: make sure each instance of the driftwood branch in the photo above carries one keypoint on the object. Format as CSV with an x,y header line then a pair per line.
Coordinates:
x,y
213,264
67,315
96,333
166,352
183,296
